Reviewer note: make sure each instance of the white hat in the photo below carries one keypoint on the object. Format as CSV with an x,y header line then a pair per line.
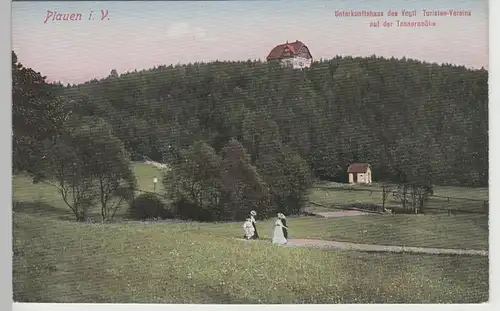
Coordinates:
x,y
253,213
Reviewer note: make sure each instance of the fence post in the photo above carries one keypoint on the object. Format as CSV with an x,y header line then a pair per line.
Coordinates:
x,y
383,198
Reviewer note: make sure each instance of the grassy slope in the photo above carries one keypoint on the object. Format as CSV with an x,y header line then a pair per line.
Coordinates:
x,y
57,260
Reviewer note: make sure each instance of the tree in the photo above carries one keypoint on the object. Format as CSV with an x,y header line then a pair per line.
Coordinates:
x,y
289,179
69,174
207,186
193,183
259,133
108,162
413,172
89,166
244,188
113,74
38,116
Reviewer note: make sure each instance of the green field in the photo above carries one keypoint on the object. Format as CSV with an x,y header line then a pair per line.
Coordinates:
x,y
44,199
146,173
58,260
459,199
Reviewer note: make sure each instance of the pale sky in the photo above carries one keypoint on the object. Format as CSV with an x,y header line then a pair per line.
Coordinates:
x,y
140,35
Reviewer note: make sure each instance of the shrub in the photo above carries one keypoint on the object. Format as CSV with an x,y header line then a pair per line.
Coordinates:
x,y
186,210
400,210
147,206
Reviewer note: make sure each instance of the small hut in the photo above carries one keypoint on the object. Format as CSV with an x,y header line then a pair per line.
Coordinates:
x,y
360,173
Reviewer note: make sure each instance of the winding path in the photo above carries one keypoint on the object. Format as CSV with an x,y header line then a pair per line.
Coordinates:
x,y
346,213
346,246
333,245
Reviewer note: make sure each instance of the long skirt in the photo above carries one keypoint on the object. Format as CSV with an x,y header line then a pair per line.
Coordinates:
x,y
285,230
255,235
278,237
285,233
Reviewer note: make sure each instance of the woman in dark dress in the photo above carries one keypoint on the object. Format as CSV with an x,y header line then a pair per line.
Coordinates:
x,y
252,217
282,217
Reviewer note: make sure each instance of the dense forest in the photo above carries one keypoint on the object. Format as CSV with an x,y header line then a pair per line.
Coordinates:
x,y
253,135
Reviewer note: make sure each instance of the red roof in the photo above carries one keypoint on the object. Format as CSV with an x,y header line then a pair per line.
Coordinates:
x,y
278,51
358,168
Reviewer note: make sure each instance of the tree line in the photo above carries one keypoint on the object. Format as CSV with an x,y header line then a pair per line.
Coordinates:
x,y
253,135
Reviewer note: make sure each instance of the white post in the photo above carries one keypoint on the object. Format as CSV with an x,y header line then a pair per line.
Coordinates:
x,y
155,180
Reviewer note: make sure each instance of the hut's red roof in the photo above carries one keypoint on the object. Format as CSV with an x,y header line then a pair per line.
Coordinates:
x,y
358,168
278,51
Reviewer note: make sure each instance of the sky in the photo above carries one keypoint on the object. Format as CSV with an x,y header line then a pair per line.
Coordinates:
x,y
141,35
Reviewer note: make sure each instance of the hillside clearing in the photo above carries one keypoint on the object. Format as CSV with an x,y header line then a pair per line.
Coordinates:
x,y
58,260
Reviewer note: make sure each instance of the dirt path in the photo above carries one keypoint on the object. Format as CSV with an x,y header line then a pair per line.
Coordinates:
x,y
346,213
157,164
332,245
346,246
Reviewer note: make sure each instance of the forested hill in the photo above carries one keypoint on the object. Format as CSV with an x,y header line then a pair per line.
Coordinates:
x,y
409,120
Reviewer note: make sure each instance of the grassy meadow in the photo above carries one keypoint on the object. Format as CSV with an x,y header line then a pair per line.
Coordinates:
x,y
456,199
145,174
58,260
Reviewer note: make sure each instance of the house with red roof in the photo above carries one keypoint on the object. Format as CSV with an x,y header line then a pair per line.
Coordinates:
x,y
295,54
360,173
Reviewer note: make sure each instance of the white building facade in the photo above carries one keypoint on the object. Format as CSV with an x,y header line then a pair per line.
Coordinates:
x,y
297,62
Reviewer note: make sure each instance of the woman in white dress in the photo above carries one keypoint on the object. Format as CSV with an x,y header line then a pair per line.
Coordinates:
x,y
278,237
249,229
282,217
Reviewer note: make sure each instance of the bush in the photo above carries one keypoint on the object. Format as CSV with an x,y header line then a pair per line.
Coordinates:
x,y
400,210
147,206
186,210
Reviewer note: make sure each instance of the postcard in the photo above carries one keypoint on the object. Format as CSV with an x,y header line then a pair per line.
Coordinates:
x,y
250,152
